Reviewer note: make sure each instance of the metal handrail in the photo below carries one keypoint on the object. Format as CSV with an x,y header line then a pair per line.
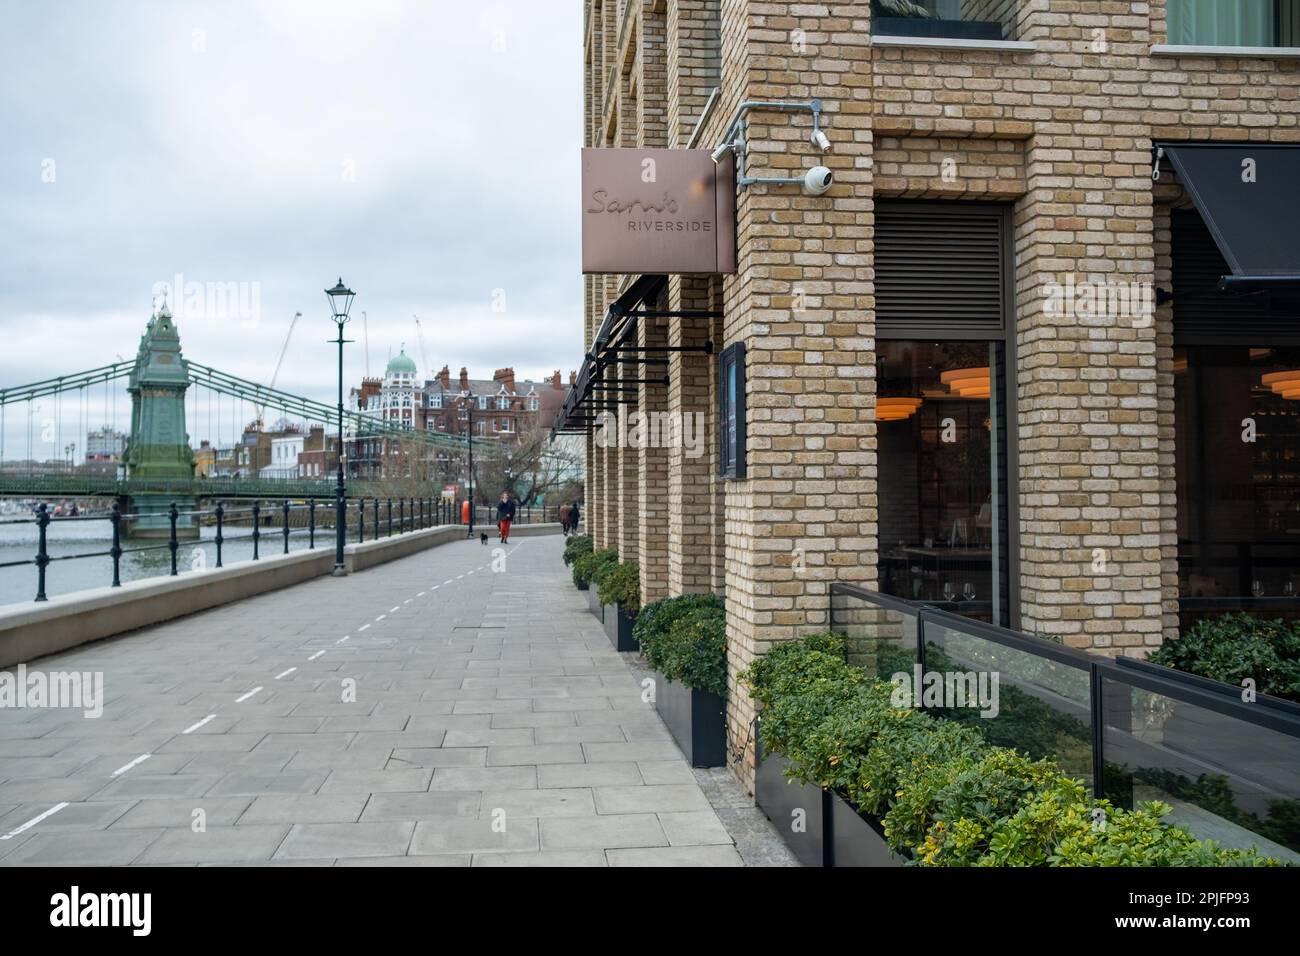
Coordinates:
x,y
414,514
1268,713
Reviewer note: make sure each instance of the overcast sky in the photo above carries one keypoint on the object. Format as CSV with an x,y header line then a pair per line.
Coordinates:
x,y
425,151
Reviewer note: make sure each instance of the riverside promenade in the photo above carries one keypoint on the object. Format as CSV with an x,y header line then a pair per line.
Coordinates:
x,y
457,707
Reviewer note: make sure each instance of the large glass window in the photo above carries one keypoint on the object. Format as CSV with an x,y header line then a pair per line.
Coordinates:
x,y
1237,436
1234,22
942,465
954,19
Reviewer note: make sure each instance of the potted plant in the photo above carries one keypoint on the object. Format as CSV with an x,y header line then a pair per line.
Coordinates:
x,y
587,567
619,590
902,786
575,546
684,640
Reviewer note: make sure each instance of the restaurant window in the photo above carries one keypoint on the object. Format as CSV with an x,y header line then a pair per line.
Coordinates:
x,y
1233,22
1236,437
942,396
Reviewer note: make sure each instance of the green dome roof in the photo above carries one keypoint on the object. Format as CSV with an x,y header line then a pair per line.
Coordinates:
x,y
401,363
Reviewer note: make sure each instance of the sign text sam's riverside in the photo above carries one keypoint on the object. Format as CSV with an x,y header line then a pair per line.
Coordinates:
x,y
657,211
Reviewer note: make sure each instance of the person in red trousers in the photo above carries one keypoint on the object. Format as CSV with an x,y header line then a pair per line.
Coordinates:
x,y
505,515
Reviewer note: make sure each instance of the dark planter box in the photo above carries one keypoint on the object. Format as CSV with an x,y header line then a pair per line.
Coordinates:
x,y
583,586
696,719
948,29
593,602
778,798
618,627
855,840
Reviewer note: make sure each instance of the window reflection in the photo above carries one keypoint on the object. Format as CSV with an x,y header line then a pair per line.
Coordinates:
x,y
941,458
1237,440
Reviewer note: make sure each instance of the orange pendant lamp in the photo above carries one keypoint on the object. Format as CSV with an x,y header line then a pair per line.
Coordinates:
x,y
896,409
968,382
1286,384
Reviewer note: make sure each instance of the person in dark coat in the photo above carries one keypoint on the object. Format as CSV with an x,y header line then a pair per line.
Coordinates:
x,y
505,515
575,515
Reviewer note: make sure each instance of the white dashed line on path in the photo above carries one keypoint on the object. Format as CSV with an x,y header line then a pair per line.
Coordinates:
x,y
285,673
347,636
394,610
316,655
34,820
134,763
380,618
193,727
422,594
240,700
361,628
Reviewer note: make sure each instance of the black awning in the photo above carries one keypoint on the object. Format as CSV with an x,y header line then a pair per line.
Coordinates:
x,y
1249,196
597,389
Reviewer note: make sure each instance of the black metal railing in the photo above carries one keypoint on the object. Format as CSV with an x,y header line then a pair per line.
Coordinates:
x,y
286,519
1228,761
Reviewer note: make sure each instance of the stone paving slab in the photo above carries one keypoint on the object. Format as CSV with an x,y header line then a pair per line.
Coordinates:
x,y
370,720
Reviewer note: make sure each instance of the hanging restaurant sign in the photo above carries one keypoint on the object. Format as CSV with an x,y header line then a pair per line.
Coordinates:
x,y
661,211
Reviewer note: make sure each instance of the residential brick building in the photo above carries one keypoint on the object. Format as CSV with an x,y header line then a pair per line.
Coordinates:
x,y
934,405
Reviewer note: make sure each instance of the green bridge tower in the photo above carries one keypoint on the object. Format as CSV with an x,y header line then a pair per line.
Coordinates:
x,y
159,446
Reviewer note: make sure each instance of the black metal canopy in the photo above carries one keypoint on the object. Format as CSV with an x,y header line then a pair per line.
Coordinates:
x,y
1249,196
598,388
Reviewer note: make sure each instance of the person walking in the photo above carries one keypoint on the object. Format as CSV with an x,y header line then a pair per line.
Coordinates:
x,y
505,515
575,515
565,513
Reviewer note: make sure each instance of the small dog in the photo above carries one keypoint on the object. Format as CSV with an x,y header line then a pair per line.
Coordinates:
x,y
482,538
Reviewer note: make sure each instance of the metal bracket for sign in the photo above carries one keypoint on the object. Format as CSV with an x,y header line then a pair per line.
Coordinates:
x,y
706,348
736,138
1157,154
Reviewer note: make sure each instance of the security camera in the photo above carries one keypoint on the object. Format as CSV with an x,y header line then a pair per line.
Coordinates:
x,y
817,181
821,141
720,152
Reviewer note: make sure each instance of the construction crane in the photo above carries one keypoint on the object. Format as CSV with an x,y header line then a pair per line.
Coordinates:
x,y
419,335
261,411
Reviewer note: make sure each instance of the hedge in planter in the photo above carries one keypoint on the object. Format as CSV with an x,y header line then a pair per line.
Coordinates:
x,y
575,546
620,584
688,645
943,796
1237,646
684,639
592,565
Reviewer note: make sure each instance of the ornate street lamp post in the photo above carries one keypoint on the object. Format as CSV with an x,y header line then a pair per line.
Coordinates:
x,y
340,298
467,399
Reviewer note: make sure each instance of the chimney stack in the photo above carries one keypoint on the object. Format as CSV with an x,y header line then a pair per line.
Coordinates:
x,y
445,378
464,379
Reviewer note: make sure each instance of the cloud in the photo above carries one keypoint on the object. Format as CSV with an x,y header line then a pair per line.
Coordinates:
x,y
426,152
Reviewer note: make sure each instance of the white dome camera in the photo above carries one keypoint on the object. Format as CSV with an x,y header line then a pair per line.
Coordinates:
x,y
817,181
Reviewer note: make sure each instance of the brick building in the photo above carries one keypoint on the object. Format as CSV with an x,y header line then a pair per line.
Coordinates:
x,y
993,364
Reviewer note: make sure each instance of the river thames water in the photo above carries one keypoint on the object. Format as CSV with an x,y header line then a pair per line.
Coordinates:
x,y
18,542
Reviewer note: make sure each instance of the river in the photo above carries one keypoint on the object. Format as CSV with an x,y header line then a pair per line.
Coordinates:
x,y
18,542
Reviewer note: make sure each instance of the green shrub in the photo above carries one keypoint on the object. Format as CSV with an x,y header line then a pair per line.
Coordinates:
x,y
944,796
1237,646
621,584
657,616
576,545
693,650
590,566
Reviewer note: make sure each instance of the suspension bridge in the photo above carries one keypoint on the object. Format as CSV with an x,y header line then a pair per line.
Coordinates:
x,y
168,397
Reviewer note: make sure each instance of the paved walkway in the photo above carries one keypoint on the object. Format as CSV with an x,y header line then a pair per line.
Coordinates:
x,y
457,707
